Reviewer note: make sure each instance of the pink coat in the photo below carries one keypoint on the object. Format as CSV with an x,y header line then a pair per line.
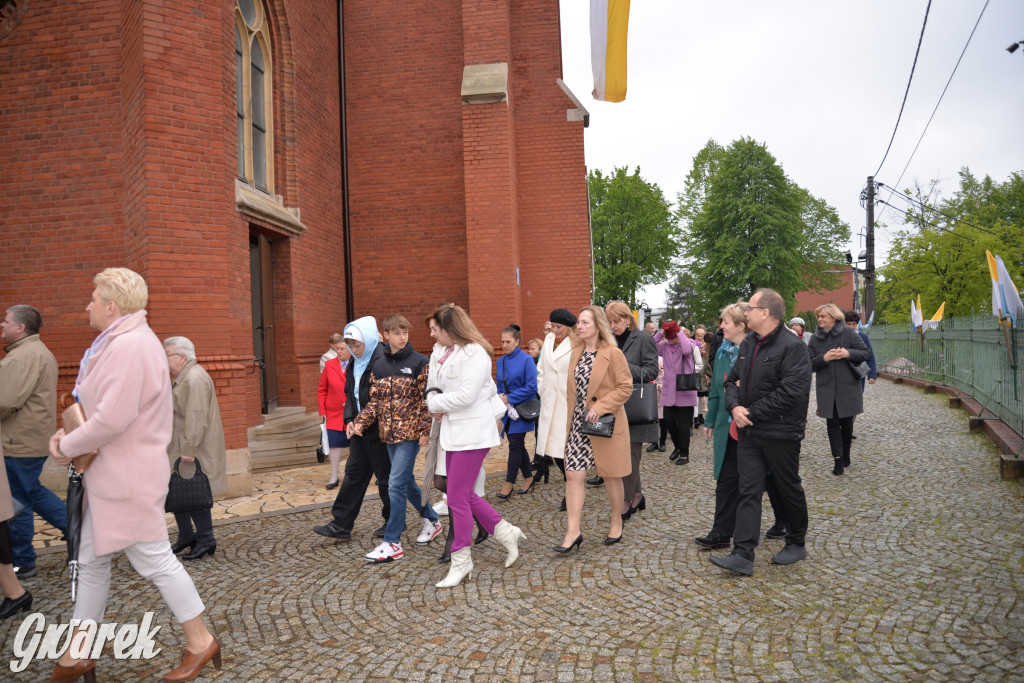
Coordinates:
x,y
126,395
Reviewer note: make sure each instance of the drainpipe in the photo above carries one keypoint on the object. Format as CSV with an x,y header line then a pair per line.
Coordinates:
x,y
343,126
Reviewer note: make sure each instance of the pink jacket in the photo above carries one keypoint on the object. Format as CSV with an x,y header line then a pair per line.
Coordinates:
x,y
126,395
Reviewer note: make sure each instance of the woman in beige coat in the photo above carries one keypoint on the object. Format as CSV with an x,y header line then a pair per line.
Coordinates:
x,y
16,598
599,384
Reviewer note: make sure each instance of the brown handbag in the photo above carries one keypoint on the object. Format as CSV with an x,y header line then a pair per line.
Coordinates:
x,y
72,418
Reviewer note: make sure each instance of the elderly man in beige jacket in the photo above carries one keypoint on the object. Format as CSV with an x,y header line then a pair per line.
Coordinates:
x,y
28,416
198,435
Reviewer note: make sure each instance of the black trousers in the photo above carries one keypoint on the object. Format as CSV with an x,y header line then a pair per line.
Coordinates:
x,y
367,456
840,437
680,421
518,458
203,532
727,495
664,431
756,456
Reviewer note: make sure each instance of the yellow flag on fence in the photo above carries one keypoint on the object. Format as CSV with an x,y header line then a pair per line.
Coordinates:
x,y
609,21
1005,297
938,314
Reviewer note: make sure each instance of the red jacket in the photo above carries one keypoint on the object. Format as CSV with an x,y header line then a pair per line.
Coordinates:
x,y
330,394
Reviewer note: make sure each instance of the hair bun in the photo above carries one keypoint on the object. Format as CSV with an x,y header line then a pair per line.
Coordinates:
x,y
515,327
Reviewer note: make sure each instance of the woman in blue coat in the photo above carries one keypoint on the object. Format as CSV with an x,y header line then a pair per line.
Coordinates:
x,y
517,383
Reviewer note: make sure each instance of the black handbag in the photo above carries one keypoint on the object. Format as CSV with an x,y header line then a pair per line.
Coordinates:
x,y
691,381
604,427
642,406
529,410
188,495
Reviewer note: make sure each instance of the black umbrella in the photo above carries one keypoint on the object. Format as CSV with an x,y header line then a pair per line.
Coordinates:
x,y
74,524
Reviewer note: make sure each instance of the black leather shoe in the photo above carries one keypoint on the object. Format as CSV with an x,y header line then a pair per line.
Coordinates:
x,y
674,454
734,563
25,572
332,530
183,545
612,541
562,507
201,552
379,533
481,535
837,468
596,481
713,540
653,447
564,549
19,604
662,448
683,459
777,531
332,485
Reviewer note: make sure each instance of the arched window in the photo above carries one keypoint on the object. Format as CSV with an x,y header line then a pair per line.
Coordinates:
x,y
254,95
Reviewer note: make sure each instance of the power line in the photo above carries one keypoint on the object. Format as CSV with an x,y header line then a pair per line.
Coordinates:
x,y
919,204
934,225
909,81
955,67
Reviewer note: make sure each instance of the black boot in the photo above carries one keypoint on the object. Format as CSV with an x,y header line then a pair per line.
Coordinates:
x,y
481,533
446,555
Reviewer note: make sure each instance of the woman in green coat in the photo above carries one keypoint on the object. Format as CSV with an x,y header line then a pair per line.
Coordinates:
x,y
718,424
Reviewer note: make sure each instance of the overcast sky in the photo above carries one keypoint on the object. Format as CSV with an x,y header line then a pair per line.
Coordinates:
x,y
819,83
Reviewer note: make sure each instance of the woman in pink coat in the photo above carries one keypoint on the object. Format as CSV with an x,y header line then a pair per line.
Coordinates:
x,y
125,391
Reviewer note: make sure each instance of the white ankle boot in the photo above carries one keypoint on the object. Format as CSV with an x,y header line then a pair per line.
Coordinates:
x,y
462,566
509,536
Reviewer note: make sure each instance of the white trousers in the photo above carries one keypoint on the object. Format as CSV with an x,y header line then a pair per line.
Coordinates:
x,y
152,560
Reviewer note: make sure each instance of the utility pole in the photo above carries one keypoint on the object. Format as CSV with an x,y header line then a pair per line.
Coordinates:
x,y
869,270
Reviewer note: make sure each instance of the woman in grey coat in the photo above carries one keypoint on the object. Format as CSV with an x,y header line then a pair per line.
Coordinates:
x,y
835,350
641,353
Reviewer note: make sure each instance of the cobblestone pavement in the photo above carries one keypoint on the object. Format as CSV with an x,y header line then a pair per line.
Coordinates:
x,y
915,572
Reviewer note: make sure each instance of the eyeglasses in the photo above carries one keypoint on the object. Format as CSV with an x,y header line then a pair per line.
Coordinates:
x,y
763,308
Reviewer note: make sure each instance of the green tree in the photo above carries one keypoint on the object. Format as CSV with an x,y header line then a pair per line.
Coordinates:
x,y
635,236
748,226
940,255
682,299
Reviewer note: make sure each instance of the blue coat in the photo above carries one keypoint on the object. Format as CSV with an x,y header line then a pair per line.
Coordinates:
x,y
517,379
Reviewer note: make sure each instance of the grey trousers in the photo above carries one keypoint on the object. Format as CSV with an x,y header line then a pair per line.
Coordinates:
x,y
631,483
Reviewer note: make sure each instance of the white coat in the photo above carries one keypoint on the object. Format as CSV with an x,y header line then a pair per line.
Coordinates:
x,y
465,382
552,380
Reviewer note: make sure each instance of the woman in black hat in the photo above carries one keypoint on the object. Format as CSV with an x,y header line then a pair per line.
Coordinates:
x,y
552,382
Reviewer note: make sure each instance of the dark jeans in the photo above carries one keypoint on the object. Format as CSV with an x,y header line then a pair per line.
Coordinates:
x,y
518,458
23,476
840,437
755,457
680,421
203,532
367,456
727,495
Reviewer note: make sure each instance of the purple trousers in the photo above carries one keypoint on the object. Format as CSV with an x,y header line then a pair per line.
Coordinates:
x,y
463,504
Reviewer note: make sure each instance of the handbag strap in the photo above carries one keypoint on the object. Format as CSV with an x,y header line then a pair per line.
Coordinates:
x,y
195,461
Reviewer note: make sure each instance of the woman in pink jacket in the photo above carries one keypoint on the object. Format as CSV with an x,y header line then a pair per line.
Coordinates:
x,y
125,391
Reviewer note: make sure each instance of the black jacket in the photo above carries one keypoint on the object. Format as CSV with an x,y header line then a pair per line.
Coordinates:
x,y
641,352
371,432
776,389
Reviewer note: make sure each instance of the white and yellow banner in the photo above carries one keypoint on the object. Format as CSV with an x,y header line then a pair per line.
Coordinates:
x,y
609,21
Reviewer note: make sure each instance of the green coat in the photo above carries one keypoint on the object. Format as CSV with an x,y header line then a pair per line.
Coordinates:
x,y
718,417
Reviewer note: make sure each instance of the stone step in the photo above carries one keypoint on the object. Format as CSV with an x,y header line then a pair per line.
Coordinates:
x,y
286,429
282,458
283,413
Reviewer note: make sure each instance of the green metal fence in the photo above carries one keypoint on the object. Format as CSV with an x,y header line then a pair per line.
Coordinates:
x,y
967,353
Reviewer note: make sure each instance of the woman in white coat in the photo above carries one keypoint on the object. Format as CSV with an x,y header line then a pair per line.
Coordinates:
x,y
552,380
461,401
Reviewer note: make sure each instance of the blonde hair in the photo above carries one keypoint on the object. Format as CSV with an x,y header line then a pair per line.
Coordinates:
x,y
535,342
124,287
735,312
456,322
395,322
832,311
620,311
604,330
335,338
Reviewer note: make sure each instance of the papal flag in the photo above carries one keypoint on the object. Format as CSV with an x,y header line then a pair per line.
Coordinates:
x,y
609,20
916,319
1005,297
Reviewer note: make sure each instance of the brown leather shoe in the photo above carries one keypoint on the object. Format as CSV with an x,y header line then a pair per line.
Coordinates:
x,y
192,663
81,667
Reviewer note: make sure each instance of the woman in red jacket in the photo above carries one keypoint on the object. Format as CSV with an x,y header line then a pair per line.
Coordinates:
x,y
330,396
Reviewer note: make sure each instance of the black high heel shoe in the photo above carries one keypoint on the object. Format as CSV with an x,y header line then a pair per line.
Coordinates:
x,y
612,541
199,553
574,544
481,533
183,545
523,492
642,505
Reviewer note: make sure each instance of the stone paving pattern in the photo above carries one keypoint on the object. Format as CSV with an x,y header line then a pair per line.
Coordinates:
x,y
915,572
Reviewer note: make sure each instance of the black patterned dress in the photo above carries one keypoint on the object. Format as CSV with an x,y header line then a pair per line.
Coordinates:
x,y
579,454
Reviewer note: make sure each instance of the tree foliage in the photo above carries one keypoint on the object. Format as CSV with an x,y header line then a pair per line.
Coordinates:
x,y
635,236
748,226
941,255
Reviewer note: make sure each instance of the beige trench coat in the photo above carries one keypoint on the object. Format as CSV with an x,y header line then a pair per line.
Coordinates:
x,y
198,431
6,504
552,379
611,385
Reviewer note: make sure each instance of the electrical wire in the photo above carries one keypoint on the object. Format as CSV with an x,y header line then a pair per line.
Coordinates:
x,y
934,225
909,81
919,204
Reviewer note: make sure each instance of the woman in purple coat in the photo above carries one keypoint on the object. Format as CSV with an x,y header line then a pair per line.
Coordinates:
x,y
680,356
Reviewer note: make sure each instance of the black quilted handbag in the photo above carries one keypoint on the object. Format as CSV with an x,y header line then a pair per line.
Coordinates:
x,y
188,495
604,427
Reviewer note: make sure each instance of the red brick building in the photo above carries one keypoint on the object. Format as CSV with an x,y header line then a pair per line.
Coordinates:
x,y
204,145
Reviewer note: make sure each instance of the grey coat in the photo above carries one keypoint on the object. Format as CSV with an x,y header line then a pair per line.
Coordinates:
x,y
835,381
641,352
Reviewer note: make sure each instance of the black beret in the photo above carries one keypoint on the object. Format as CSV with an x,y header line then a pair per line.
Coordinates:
x,y
562,316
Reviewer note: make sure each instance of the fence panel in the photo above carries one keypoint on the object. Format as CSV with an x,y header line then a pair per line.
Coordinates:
x,y
968,353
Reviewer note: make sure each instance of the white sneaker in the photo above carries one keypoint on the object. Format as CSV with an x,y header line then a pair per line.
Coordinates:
x,y
430,530
441,508
386,552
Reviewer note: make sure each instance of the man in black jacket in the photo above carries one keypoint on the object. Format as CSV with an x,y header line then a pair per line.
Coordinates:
x,y
767,393
367,454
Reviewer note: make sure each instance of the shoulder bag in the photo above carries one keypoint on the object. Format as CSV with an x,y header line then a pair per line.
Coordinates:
x,y
642,406
188,495
861,369
528,410
604,427
691,381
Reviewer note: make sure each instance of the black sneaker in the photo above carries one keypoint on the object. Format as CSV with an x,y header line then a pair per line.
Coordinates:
x,y
25,572
332,530
713,540
596,481
777,531
379,533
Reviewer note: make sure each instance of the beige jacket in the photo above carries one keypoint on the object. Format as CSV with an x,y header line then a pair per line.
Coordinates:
x,y
28,398
198,431
6,503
